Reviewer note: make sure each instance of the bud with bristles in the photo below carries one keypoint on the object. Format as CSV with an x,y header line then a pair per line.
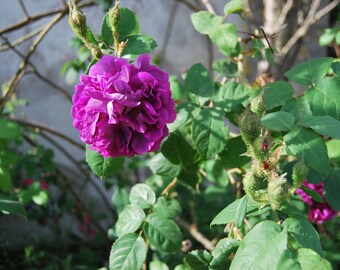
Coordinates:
x,y
278,191
77,21
255,185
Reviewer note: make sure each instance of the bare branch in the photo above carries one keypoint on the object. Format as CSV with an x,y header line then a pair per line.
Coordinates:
x,y
282,18
23,7
189,5
208,6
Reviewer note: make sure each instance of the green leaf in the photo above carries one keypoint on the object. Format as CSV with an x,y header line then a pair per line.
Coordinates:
x,y
163,233
209,133
198,81
167,208
298,107
223,249
205,22
324,98
189,176
186,112
120,198
225,67
5,179
129,220
261,248
276,94
162,166
158,265
333,149
128,24
278,121
139,44
128,253
177,89
198,259
41,198
106,31
324,125
103,167
241,211
313,194
332,188
216,173
307,145
327,37
234,6
231,95
177,150
12,207
233,156
304,233
9,130
310,71
142,195
303,259
225,37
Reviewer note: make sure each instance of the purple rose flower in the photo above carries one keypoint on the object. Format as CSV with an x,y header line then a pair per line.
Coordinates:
x,y
121,109
318,212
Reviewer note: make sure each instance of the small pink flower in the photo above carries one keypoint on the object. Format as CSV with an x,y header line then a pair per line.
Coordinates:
x,y
43,185
318,212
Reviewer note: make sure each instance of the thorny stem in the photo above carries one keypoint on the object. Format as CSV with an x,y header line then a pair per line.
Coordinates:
x,y
169,187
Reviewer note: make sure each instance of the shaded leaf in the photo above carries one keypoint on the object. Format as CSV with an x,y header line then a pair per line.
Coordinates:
x,y
278,121
277,93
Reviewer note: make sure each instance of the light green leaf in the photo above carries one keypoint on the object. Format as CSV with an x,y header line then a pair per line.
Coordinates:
x,y
128,253
198,259
120,198
41,198
223,249
216,172
231,95
241,211
310,71
177,150
139,44
129,220
205,22
5,179
333,149
234,6
167,208
324,98
162,166
103,167
324,125
225,37
307,145
303,259
327,37
186,112
177,89
158,265
163,233
277,93
225,67
332,188
278,121
209,133
142,195
9,130
12,207
261,248
198,81
304,233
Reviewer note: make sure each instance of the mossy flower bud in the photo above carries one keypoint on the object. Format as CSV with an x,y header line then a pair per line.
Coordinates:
x,y
278,191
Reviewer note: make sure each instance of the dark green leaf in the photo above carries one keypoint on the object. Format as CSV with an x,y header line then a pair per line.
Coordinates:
x,y
198,259
225,67
178,150
142,195
139,44
101,166
128,24
234,6
278,121
5,179
261,248
310,71
313,194
128,253
324,125
198,81
298,107
186,112
205,22
9,130
120,198
167,208
162,166
106,31
129,220
216,172
224,248
303,259
163,233
241,211
304,233
189,176
209,133
277,93
307,145
231,95
332,188
233,156
12,207
324,98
